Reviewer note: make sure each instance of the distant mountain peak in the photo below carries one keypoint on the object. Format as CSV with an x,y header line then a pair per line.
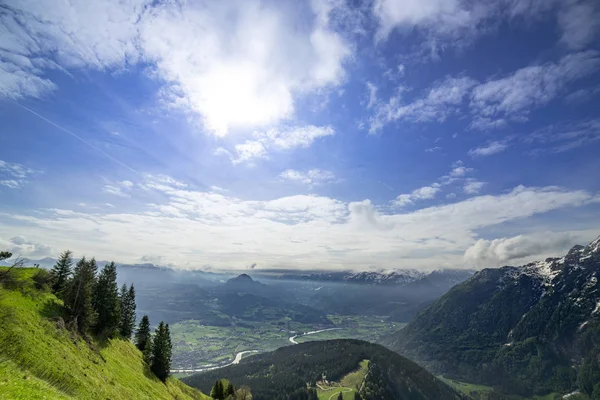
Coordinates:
x,y
244,277
576,249
242,280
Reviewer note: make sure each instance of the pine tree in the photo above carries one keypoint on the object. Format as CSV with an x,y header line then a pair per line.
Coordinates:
x,y
357,396
230,391
106,302
61,272
340,396
142,334
127,323
161,352
78,295
217,391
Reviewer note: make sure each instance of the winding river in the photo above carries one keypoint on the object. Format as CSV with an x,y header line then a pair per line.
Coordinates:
x,y
236,360
293,338
238,356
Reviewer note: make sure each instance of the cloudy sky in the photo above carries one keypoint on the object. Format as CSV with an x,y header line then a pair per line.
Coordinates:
x,y
300,134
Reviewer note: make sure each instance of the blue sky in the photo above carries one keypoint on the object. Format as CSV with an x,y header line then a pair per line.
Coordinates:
x,y
324,134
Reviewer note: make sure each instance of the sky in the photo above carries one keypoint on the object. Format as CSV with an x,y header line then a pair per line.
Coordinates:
x,y
300,134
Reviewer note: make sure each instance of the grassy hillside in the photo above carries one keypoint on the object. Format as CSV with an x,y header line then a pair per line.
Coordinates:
x,y
40,359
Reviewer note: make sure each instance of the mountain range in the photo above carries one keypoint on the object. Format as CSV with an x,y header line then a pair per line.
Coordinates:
x,y
524,330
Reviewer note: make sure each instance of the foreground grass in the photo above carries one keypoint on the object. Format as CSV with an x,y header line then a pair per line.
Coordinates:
x,y
40,359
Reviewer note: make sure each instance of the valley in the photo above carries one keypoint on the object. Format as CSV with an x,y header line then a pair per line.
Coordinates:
x,y
197,346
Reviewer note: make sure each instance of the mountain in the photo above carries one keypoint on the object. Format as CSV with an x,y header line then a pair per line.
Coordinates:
x,y
398,277
399,301
41,359
380,277
285,373
528,329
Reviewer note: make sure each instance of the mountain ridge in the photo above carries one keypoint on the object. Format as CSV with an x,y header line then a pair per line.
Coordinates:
x,y
528,329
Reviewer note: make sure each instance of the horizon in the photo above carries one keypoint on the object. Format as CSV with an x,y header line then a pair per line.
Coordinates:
x,y
265,135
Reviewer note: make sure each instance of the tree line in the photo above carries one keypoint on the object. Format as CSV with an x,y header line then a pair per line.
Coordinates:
x,y
95,304
224,390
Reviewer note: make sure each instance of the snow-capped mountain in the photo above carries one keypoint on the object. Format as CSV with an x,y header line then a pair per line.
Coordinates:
x,y
529,329
400,276
439,278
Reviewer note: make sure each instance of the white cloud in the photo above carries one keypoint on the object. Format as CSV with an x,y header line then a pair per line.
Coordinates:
x,y
473,186
15,174
217,189
422,193
447,23
522,247
441,100
11,183
580,22
254,60
372,95
485,124
193,228
460,171
564,137
433,149
19,246
253,63
489,149
276,140
533,86
441,16
582,95
494,102
121,189
312,177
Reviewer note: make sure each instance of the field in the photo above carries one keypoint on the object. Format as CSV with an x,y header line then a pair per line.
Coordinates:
x,y
348,385
476,391
369,328
196,345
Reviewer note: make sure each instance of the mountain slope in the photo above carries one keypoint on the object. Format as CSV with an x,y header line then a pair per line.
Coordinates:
x,y
285,372
529,329
39,358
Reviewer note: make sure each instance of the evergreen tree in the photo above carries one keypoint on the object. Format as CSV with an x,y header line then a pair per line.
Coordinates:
x,y
161,352
127,298
217,392
147,353
230,391
106,301
61,272
357,396
78,295
142,335
340,396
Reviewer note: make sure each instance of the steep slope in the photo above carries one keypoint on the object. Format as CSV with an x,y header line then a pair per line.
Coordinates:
x,y
284,373
39,358
529,329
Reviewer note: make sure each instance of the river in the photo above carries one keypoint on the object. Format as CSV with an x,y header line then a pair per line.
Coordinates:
x,y
293,338
238,356
236,360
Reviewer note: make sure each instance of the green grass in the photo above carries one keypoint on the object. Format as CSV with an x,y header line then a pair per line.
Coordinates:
x,y
347,384
40,359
